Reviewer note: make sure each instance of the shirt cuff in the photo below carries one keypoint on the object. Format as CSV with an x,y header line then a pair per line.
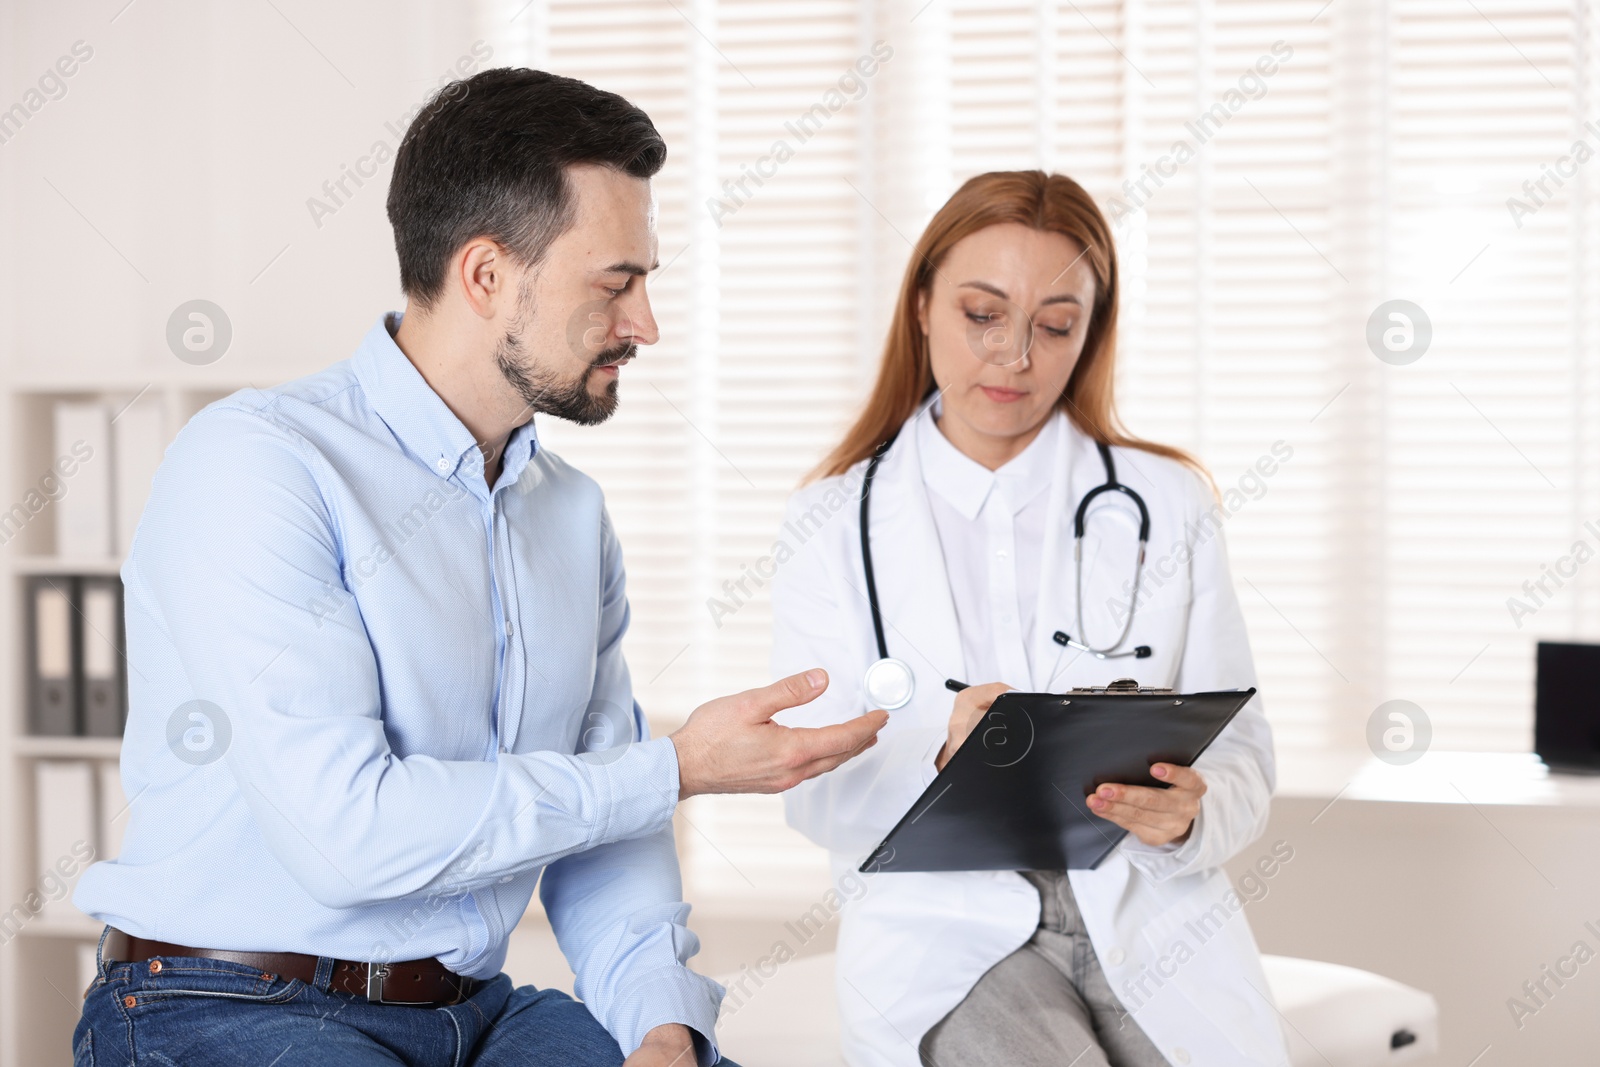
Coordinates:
x,y
638,790
669,995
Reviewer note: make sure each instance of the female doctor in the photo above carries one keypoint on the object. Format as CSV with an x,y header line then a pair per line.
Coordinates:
x,y
994,394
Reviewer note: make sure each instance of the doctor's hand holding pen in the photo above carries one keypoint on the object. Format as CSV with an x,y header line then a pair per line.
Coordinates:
x,y
1155,816
972,702
731,744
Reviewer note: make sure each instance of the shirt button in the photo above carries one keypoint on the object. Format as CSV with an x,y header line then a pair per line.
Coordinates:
x,y
510,630
1115,957
502,749
444,464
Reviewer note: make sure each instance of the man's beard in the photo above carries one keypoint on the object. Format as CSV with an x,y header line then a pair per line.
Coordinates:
x,y
543,392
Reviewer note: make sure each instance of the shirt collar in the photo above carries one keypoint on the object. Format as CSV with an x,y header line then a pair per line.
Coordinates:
x,y
966,484
417,416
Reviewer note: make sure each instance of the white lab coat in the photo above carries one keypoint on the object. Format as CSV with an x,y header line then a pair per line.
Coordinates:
x,y
1165,922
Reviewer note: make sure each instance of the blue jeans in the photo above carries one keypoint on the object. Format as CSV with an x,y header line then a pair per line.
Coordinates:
x,y
200,1012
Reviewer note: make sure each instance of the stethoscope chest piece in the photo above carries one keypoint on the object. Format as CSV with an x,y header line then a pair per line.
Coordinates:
x,y
889,684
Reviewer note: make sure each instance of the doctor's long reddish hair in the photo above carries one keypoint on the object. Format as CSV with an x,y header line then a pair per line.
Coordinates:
x,y
1049,202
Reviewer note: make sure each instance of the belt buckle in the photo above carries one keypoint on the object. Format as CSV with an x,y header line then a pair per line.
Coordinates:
x,y
376,973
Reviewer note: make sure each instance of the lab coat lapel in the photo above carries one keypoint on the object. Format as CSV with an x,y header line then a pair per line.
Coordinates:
x,y
919,616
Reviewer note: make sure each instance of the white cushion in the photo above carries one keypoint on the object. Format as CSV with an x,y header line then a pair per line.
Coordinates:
x,y
1334,1016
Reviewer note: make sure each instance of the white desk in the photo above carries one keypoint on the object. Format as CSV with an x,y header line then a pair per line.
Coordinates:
x,y
1436,778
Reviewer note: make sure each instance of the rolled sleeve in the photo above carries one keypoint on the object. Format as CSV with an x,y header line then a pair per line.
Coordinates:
x,y
618,915
670,995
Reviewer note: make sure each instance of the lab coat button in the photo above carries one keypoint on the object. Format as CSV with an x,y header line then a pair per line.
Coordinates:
x,y
1180,1055
1115,957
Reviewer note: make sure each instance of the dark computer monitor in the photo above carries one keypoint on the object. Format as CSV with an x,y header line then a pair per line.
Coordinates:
x,y
1566,707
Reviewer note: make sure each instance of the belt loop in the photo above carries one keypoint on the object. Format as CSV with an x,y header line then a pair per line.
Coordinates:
x,y
323,978
99,952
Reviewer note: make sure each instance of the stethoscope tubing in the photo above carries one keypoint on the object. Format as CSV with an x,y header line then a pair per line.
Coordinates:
x,y
866,543
1079,520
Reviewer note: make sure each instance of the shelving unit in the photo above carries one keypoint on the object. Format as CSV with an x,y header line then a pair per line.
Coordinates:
x,y
40,992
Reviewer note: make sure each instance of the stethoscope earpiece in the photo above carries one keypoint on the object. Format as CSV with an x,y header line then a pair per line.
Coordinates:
x,y
1061,638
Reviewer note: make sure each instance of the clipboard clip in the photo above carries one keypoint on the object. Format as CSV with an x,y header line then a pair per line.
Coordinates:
x,y
1128,686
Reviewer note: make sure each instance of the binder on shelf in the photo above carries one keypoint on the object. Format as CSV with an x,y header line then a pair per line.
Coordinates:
x,y
83,514
114,811
138,442
52,656
104,684
64,796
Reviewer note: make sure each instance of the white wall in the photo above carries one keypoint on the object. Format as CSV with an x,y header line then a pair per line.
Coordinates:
x,y
178,165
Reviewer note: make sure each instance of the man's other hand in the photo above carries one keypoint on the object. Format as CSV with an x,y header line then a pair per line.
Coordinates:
x,y
668,1045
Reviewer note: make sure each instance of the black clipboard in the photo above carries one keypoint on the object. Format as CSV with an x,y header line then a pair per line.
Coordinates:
x,y
1014,795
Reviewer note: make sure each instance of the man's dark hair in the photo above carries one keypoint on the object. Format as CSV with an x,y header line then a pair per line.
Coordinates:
x,y
487,157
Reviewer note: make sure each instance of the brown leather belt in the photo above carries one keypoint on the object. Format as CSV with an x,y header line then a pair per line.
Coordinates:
x,y
416,982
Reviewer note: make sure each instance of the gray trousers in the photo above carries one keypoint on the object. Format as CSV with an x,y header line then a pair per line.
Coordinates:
x,y
1048,1004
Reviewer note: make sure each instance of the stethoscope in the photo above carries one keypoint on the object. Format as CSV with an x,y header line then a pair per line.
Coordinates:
x,y
889,682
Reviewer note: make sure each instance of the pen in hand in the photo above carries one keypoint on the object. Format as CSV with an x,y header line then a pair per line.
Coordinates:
x,y
955,686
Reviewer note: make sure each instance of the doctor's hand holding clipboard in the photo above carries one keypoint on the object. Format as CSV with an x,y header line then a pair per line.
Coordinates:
x,y
987,516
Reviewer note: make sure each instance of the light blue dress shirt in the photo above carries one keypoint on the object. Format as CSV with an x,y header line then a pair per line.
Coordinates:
x,y
371,701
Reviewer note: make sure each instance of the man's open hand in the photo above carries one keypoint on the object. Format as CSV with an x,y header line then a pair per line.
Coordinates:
x,y
731,744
